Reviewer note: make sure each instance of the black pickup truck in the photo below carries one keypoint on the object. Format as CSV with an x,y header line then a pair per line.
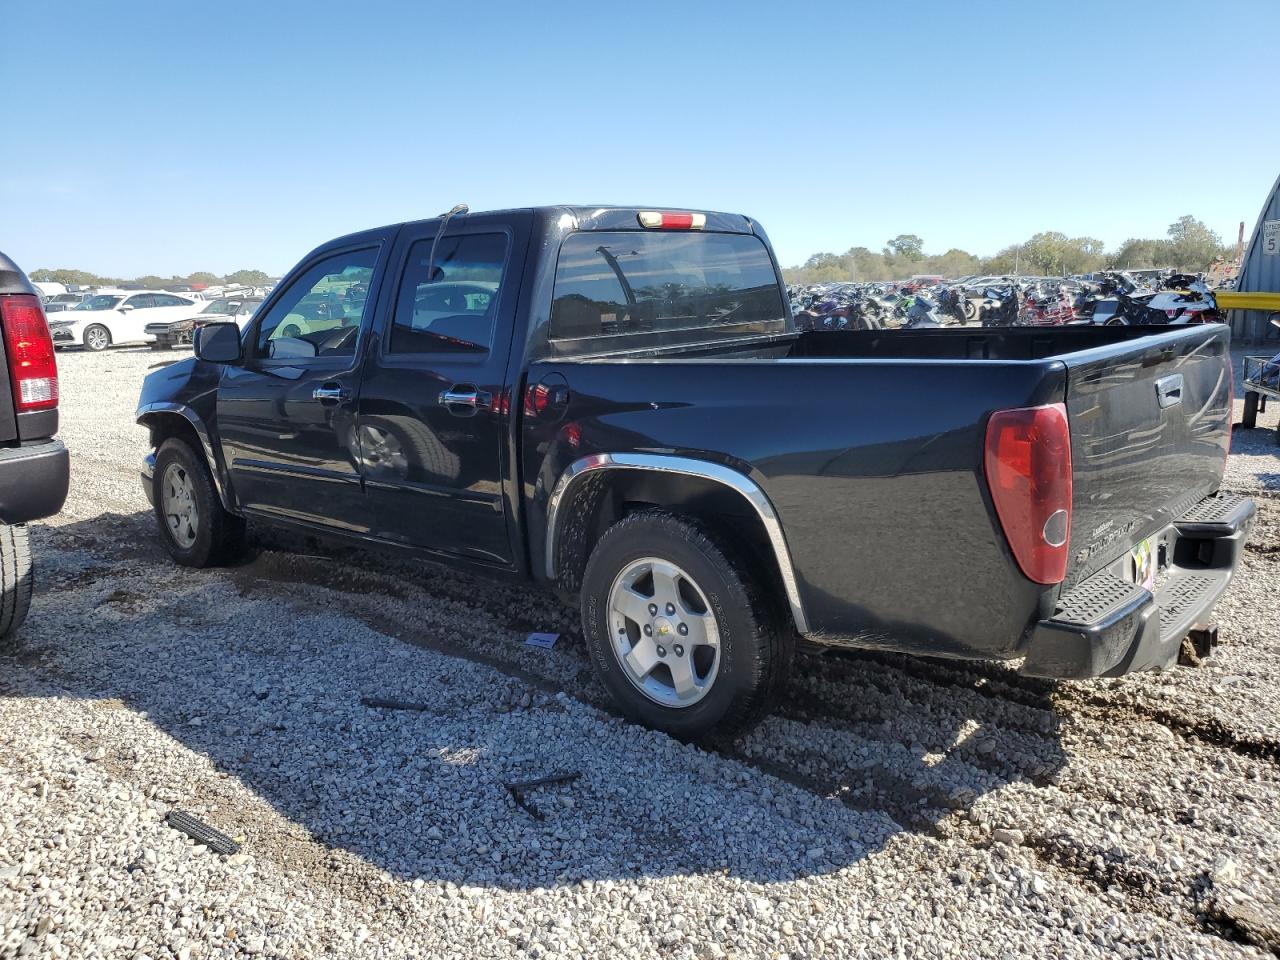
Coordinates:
x,y
34,467
615,403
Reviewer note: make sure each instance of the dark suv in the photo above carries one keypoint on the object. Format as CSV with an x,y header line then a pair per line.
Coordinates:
x,y
34,467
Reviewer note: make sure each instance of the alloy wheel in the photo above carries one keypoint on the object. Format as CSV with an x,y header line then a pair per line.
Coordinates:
x,y
177,498
663,632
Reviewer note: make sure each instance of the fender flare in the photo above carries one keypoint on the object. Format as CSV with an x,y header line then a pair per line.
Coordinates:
x,y
202,431
747,488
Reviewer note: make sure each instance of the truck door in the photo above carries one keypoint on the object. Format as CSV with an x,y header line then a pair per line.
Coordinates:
x,y
286,414
434,407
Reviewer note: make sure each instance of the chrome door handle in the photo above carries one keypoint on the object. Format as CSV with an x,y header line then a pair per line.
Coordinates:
x,y
453,397
467,397
1169,390
329,393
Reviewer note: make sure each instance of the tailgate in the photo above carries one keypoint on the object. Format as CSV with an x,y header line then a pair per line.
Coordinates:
x,y
1150,421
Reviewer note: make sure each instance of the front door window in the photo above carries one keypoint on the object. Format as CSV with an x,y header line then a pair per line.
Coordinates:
x,y
319,315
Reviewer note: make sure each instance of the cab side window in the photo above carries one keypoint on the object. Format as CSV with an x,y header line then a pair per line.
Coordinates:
x,y
320,312
454,310
141,301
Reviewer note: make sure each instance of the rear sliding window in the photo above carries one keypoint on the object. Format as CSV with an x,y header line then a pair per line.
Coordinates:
x,y
630,290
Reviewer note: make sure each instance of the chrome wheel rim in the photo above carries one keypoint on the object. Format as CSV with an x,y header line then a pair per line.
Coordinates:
x,y
97,338
177,501
663,633
382,452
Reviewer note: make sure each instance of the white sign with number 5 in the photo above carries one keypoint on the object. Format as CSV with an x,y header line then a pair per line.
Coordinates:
x,y
1271,237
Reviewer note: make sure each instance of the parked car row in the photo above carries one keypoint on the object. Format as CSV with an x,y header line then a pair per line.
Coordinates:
x,y
173,333
145,316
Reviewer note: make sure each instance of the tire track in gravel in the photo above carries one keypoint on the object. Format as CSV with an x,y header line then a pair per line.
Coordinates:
x,y
999,683
1144,891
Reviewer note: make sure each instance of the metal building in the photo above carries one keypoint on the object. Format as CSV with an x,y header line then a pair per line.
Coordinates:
x,y
1259,273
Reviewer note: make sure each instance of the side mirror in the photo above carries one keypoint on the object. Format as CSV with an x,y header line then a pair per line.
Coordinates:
x,y
217,342
125,307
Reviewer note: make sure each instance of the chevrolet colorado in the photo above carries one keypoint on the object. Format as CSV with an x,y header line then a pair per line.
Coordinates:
x,y
615,403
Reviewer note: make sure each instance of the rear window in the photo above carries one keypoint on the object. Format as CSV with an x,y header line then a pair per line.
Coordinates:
x,y
630,290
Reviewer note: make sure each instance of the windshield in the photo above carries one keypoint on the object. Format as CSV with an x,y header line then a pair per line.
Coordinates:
x,y
222,306
633,290
101,302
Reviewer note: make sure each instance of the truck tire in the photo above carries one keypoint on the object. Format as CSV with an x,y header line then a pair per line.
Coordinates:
x,y
194,526
17,579
96,337
679,630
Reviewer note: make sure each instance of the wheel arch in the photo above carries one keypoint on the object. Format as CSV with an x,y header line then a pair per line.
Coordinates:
x,y
596,491
166,420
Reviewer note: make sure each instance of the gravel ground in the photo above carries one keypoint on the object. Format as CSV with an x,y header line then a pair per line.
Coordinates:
x,y
891,807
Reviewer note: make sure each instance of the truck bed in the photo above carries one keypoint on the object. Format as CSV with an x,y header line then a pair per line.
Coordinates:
x,y
870,447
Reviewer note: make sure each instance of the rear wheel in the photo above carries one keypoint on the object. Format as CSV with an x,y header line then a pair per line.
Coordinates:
x,y
194,526
97,337
16,579
679,629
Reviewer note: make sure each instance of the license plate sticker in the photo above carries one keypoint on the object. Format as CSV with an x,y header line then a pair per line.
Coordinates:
x,y
1144,565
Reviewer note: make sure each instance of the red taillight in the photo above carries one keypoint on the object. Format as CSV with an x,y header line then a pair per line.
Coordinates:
x,y
33,371
536,399
1028,461
656,220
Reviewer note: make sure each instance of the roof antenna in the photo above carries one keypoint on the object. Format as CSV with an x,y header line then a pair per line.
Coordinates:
x,y
444,223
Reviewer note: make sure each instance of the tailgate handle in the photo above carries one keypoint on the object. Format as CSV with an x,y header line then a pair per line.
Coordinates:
x,y
1169,390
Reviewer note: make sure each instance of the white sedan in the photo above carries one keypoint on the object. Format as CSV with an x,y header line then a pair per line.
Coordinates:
x,y
110,318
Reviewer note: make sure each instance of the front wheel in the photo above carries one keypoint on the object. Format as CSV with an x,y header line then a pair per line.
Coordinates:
x,y
680,629
194,526
97,337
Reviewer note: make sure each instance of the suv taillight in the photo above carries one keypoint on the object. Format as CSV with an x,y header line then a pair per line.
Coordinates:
x,y
33,372
1028,461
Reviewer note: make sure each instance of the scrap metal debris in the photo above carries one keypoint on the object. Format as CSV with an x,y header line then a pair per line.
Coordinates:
x,y
517,790
379,702
201,832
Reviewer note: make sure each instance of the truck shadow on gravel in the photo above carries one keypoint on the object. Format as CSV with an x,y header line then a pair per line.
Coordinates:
x,y
261,668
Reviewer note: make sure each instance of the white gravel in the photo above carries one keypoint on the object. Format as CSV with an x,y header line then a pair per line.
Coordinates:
x,y
891,807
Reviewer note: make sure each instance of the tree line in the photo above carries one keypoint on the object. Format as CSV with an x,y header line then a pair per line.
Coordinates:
x,y
84,278
1189,245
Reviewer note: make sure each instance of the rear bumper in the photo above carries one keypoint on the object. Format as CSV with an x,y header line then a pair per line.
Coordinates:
x,y
1108,626
33,481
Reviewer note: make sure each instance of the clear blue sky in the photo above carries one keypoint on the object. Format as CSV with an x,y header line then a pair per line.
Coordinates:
x,y
170,137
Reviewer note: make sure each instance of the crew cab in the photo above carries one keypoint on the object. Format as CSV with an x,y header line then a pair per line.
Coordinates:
x,y
34,466
615,403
